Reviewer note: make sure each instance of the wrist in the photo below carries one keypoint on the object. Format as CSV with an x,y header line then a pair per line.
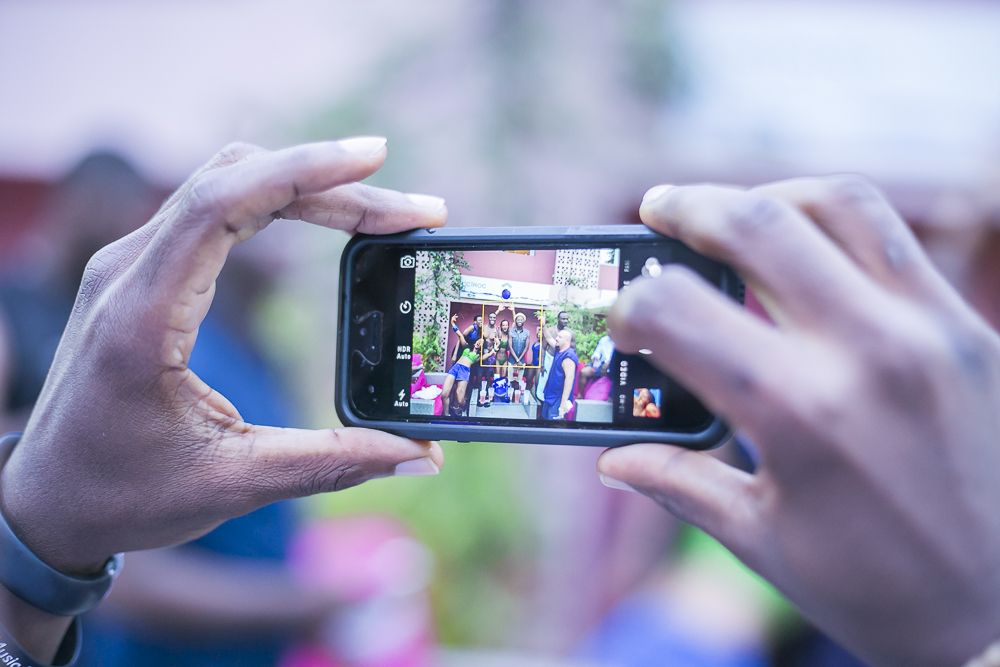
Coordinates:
x,y
51,541
42,526
29,568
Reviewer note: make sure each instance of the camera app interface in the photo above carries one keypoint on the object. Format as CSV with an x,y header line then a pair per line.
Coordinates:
x,y
520,335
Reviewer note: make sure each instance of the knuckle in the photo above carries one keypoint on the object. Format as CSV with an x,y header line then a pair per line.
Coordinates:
x,y
96,275
752,385
332,475
369,220
850,191
233,152
856,200
973,349
644,305
751,215
906,357
205,197
201,193
820,410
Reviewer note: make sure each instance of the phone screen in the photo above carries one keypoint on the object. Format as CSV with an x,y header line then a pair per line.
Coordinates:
x,y
514,336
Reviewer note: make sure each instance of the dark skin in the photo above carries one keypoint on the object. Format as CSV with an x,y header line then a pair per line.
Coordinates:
x,y
503,337
460,387
514,357
76,491
465,334
871,399
562,321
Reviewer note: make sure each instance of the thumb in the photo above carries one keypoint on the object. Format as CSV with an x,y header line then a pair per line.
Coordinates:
x,y
301,462
693,486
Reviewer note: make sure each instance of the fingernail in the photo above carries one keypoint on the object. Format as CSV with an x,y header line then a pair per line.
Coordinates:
x,y
654,194
613,483
417,468
428,202
365,146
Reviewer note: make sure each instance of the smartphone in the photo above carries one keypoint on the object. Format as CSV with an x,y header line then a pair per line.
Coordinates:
x,y
500,335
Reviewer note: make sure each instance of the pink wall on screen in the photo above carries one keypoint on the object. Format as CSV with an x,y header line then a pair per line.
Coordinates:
x,y
537,268
608,277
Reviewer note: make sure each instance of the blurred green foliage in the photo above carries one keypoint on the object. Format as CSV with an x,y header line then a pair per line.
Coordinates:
x,y
439,285
588,326
428,345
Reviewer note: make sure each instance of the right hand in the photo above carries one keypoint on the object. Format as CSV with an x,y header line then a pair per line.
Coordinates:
x,y
454,320
874,402
127,448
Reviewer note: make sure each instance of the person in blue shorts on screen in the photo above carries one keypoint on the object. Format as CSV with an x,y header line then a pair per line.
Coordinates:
x,y
458,377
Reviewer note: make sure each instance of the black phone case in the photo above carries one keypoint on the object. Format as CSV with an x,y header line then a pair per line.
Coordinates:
x,y
486,238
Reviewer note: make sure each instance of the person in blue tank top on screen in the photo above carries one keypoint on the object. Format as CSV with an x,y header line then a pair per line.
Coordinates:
x,y
559,402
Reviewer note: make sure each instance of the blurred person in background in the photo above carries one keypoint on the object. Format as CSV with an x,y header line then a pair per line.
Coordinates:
x,y
101,199
961,231
228,598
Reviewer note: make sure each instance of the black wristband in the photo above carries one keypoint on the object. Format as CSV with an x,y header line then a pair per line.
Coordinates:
x,y
12,655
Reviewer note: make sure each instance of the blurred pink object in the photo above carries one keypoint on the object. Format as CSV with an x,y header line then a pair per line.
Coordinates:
x,y
598,390
382,574
418,381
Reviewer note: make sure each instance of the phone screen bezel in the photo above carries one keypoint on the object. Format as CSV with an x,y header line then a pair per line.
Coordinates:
x,y
685,419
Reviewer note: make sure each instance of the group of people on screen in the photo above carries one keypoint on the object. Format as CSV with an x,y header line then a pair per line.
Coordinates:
x,y
507,364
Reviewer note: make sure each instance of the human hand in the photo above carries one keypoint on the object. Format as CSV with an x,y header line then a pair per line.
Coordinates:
x,y
873,401
454,320
127,448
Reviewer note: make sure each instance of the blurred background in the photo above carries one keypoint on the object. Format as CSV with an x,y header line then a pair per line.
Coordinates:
x,y
518,113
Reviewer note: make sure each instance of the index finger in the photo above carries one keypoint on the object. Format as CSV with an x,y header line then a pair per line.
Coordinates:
x,y
799,274
229,204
